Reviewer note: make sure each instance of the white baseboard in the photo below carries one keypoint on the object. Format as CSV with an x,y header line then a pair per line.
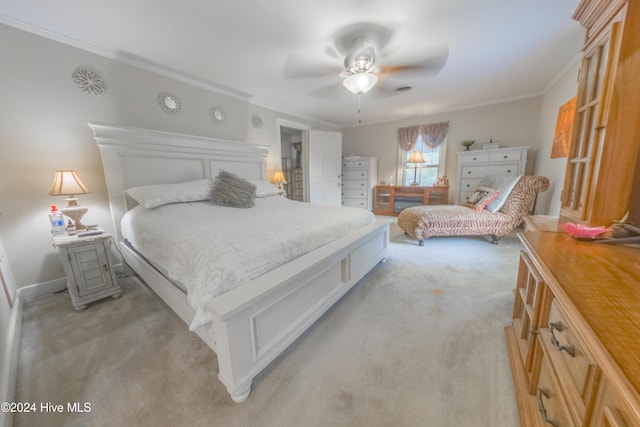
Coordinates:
x,y
29,293
9,370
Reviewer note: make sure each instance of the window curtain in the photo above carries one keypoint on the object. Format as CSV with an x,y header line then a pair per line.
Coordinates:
x,y
408,136
434,134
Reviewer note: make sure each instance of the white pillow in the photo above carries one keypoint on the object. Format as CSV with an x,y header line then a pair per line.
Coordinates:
x,y
152,196
502,183
265,188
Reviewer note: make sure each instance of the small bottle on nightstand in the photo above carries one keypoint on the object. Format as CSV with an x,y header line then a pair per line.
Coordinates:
x,y
57,221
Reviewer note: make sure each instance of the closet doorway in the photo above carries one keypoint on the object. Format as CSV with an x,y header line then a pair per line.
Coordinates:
x,y
312,163
294,160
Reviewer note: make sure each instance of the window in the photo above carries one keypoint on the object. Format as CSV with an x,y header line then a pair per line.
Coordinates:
x,y
428,172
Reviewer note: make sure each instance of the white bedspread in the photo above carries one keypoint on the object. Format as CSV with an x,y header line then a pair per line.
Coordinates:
x,y
211,249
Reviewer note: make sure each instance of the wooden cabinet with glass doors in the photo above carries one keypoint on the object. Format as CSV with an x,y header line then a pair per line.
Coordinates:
x,y
391,200
605,140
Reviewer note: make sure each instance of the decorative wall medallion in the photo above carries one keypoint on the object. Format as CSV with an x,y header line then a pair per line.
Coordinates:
x,y
89,81
169,103
256,121
217,114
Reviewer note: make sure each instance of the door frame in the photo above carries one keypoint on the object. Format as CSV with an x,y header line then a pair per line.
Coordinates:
x,y
304,128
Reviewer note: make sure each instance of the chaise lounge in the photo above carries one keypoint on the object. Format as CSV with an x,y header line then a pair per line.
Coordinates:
x,y
422,222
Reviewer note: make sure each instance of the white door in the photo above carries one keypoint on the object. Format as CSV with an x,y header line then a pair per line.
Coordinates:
x,y
325,167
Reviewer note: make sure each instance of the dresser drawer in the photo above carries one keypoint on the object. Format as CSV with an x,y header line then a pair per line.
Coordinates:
x,y
552,407
469,184
479,157
355,163
482,171
355,203
506,156
356,194
355,184
576,370
354,174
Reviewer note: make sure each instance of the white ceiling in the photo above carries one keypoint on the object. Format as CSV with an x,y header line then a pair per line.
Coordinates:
x,y
497,49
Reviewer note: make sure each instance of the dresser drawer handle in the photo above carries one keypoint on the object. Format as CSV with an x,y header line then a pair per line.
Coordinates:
x,y
571,351
506,157
474,158
543,411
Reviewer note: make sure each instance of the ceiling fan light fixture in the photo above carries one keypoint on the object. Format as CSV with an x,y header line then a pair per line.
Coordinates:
x,y
360,83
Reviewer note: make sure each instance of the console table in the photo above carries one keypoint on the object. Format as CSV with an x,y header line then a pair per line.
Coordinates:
x,y
390,199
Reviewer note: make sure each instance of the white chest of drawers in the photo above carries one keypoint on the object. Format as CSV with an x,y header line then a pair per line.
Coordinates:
x,y
359,176
474,165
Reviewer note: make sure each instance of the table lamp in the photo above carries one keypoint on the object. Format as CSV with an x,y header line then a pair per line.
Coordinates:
x,y
278,179
415,158
68,183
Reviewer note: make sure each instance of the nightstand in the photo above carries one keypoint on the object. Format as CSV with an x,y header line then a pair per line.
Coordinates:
x,y
88,267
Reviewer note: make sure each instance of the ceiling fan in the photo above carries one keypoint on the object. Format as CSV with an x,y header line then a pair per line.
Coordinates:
x,y
358,47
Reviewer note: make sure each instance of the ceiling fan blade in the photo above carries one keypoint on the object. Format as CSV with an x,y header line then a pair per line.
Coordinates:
x,y
372,34
331,93
430,65
309,66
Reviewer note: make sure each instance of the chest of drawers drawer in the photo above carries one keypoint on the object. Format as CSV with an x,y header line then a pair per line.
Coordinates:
x,y
355,174
356,163
482,171
355,194
552,407
576,370
355,184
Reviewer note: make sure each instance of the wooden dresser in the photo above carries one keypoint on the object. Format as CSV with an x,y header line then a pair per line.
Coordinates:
x,y
574,343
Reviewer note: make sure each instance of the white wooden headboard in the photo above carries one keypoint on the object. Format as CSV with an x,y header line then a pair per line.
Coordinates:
x,y
132,156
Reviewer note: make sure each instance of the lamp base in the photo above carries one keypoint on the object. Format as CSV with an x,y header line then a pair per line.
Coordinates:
x,y
75,213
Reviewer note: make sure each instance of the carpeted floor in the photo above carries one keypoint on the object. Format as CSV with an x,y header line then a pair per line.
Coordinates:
x,y
419,342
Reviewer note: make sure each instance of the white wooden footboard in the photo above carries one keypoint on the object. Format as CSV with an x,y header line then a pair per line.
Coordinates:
x,y
256,322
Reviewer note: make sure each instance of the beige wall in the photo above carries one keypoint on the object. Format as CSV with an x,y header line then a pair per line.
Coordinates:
x,y
511,124
561,91
43,127
526,122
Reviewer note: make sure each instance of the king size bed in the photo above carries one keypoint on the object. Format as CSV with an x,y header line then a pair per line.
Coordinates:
x,y
247,281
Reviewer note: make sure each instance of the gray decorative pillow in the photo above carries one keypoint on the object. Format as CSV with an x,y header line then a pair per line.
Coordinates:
x,y
231,190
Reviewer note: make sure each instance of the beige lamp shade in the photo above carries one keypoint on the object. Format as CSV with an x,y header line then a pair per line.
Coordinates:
x,y
68,183
278,178
415,157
